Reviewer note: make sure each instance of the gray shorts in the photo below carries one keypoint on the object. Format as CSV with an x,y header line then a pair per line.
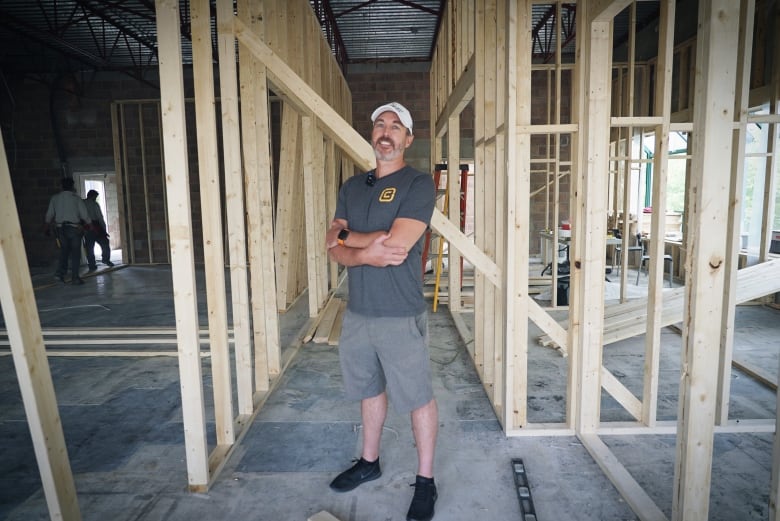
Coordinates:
x,y
386,353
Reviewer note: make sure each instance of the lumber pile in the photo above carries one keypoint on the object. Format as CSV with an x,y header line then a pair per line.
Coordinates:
x,y
629,319
326,328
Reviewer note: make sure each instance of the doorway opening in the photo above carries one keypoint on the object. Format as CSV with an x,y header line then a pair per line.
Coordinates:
x,y
104,184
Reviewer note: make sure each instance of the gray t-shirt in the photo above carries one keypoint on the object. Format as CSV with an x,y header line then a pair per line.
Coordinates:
x,y
392,291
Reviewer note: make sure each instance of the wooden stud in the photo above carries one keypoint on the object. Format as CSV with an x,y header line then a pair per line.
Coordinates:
x,y
576,215
663,105
234,206
322,218
147,211
251,76
286,236
310,170
488,214
267,299
517,305
129,236
211,212
454,190
182,255
713,118
120,178
158,109
479,189
772,162
747,14
331,196
591,230
499,223
29,353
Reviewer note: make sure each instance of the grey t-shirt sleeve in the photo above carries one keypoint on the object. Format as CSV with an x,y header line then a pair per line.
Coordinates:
x,y
420,200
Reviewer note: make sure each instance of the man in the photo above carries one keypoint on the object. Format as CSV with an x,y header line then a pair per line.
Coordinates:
x,y
67,212
96,232
377,233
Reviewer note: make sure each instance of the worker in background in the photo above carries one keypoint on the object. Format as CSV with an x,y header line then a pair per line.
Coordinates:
x,y
67,216
96,232
377,233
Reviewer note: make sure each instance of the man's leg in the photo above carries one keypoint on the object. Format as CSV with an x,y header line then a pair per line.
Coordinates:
x,y
89,246
374,412
105,250
74,243
62,266
425,426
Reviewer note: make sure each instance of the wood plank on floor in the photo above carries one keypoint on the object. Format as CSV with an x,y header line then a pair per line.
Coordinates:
x,y
335,333
328,317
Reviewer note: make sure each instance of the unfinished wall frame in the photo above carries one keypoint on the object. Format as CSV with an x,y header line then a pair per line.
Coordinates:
x,y
248,188
499,89
605,114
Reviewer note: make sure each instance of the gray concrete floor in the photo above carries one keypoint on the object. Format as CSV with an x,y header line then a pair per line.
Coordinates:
x,y
122,422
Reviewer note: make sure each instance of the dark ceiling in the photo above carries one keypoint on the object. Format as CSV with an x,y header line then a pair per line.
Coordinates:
x,y
61,36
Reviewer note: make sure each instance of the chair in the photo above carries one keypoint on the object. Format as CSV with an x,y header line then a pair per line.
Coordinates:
x,y
637,247
646,257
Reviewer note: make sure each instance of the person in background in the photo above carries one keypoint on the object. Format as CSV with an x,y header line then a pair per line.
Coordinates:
x,y
96,233
377,233
68,215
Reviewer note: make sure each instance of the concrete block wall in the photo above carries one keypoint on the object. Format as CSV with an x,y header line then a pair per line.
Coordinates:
x,y
52,124
407,83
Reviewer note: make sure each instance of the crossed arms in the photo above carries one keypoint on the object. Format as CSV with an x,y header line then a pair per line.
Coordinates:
x,y
380,248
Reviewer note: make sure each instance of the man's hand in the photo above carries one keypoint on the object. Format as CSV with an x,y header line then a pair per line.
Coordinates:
x,y
379,255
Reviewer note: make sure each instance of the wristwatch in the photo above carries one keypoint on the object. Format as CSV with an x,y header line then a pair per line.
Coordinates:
x,y
343,234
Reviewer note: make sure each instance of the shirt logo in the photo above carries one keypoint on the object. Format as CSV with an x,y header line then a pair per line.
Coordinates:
x,y
387,195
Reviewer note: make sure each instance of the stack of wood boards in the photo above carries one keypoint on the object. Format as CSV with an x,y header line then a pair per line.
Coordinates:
x,y
629,319
326,328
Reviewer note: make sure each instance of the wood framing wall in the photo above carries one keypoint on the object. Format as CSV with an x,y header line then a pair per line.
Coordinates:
x,y
610,103
269,60
482,60
318,101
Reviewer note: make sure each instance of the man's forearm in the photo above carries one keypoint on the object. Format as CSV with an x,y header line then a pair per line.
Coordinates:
x,y
376,254
362,239
346,256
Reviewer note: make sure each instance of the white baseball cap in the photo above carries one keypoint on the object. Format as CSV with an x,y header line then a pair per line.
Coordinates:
x,y
401,111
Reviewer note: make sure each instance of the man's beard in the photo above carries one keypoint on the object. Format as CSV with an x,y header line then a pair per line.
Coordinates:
x,y
387,156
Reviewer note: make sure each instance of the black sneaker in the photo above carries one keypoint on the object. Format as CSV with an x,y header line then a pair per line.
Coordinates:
x,y
77,281
357,474
109,264
92,268
424,498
